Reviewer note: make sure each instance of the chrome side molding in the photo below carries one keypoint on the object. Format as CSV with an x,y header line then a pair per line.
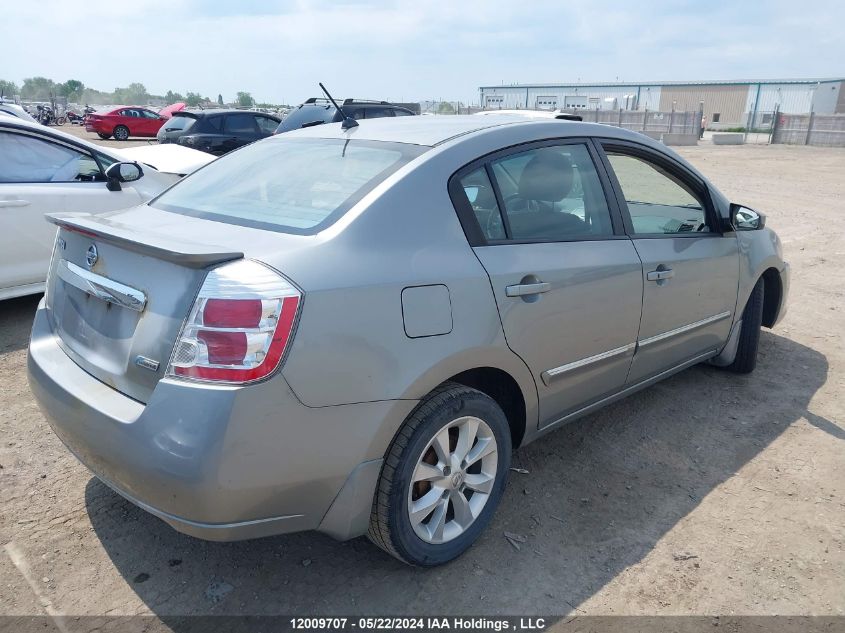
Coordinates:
x,y
550,374
101,287
683,329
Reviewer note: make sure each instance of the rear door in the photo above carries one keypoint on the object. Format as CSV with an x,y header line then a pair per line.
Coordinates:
x,y
690,268
38,176
567,281
238,130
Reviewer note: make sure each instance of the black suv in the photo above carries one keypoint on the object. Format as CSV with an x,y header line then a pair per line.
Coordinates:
x,y
217,131
316,111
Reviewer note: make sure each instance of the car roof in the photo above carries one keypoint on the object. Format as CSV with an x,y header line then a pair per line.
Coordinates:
x,y
195,112
436,130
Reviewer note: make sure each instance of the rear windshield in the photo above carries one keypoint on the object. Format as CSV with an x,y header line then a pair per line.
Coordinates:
x,y
288,185
305,115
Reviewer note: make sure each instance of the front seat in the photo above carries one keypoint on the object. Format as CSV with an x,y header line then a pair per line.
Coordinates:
x,y
547,178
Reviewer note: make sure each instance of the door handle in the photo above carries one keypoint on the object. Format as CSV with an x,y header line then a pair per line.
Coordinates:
x,y
14,203
524,290
660,275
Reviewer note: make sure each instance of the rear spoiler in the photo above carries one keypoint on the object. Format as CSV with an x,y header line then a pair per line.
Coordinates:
x,y
185,253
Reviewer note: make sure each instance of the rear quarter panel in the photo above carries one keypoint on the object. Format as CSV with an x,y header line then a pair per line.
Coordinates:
x,y
351,344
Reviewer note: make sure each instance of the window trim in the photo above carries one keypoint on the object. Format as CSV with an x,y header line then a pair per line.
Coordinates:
x,y
472,229
681,172
47,138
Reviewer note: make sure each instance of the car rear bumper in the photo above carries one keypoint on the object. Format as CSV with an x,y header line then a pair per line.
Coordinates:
x,y
219,462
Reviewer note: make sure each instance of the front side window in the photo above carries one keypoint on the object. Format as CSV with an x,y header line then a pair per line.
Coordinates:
x,y
658,201
24,158
552,193
287,185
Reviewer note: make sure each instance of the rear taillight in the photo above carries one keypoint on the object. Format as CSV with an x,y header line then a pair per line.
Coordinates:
x,y
239,327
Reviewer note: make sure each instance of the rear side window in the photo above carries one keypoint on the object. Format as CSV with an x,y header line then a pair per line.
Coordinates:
x,y
239,124
378,113
482,198
179,123
306,115
266,125
552,193
288,185
215,123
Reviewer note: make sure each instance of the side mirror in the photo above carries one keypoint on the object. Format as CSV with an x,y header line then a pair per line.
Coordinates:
x,y
745,219
122,172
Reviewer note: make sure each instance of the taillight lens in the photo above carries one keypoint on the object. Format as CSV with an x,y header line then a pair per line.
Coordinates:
x,y
239,327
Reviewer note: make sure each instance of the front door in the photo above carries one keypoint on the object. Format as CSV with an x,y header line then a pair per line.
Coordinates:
x,y
690,269
39,176
567,284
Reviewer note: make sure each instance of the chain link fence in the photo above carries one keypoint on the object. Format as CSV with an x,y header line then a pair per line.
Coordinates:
x,y
809,129
646,121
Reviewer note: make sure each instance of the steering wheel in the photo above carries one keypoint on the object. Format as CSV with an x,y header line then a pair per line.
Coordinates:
x,y
493,224
513,197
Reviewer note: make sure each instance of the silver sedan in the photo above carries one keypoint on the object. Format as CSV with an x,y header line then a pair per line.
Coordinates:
x,y
349,330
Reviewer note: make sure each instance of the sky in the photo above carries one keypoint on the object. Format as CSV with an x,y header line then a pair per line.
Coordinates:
x,y
412,50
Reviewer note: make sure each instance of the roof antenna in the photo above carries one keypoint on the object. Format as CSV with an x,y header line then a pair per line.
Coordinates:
x,y
348,121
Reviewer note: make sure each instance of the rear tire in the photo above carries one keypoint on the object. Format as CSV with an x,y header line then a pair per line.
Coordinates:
x,y
121,133
749,335
103,136
451,455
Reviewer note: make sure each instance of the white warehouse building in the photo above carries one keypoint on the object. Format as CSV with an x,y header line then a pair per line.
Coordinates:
x,y
725,103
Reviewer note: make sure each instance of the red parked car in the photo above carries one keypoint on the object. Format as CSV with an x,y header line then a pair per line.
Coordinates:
x,y
124,122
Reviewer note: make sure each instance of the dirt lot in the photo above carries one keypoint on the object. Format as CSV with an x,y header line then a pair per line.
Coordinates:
x,y
707,494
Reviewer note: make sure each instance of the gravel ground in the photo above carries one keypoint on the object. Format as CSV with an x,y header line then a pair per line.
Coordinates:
x,y
709,493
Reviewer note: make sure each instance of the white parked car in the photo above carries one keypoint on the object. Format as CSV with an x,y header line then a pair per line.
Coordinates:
x,y
44,170
14,110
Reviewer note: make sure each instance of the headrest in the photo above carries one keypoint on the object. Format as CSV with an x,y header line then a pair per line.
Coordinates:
x,y
547,177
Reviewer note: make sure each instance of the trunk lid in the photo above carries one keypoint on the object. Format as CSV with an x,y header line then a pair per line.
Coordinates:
x,y
119,291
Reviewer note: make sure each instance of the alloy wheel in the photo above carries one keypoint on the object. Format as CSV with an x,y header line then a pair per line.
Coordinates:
x,y
452,480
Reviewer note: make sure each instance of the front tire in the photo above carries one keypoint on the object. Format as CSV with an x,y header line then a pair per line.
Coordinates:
x,y
749,335
121,133
442,478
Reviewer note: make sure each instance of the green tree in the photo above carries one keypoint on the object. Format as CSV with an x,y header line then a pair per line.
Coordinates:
x,y
219,99
445,108
72,89
39,88
134,93
8,88
245,99
173,97
193,99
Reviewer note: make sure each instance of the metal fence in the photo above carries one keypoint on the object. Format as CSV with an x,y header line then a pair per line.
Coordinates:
x,y
809,129
647,121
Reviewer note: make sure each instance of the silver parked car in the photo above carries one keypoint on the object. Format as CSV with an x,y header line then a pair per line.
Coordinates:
x,y
349,330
